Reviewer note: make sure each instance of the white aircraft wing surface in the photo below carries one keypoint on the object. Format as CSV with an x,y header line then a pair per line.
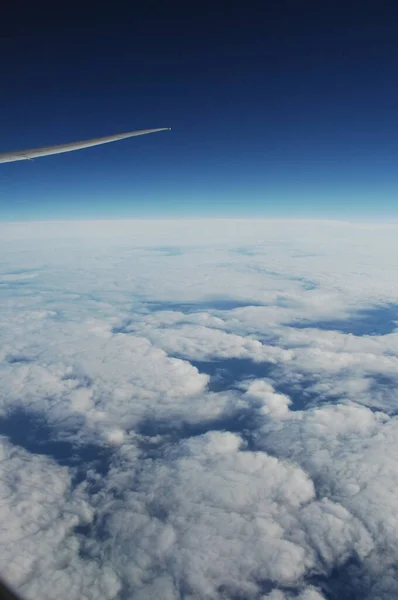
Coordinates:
x,y
58,149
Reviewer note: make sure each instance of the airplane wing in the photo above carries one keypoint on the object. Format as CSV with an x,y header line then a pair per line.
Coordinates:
x,y
48,150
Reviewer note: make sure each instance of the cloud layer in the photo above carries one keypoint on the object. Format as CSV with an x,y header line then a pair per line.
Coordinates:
x,y
190,410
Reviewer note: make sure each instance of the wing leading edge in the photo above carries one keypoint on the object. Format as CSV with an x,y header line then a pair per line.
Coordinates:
x,y
58,149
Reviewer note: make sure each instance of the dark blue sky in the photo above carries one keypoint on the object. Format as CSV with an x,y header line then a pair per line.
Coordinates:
x,y
277,109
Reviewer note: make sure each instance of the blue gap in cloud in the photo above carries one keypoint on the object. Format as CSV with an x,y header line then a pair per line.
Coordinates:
x,y
20,271
243,422
266,586
18,359
228,373
34,434
224,375
348,581
17,283
246,251
370,321
167,250
89,462
307,284
383,391
210,304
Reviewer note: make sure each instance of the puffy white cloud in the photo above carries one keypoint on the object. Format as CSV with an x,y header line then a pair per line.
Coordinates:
x,y
111,383
212,515
39,513
261,392
213,518
198,342
350,452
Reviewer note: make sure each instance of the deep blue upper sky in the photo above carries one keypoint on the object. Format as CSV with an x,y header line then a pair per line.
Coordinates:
x,y
277,109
